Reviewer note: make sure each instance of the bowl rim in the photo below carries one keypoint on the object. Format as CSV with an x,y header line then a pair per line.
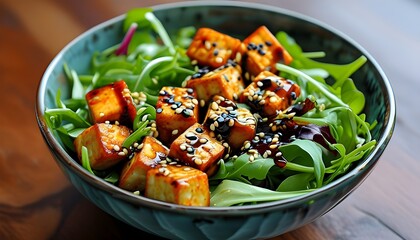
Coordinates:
x,y
142,201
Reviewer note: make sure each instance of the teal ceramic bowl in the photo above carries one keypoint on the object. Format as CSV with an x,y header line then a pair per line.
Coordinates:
x,y
239,222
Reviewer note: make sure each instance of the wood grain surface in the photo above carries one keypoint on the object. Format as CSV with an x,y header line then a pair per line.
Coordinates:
x,y
37,201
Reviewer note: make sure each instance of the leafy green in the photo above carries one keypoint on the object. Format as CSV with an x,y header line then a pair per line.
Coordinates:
x,y
230,193
242,169
85,160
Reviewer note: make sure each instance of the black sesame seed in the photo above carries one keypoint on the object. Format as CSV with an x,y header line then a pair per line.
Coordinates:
x,y
199,130
268,43
260,46
190,90
261,52
191,137
293,95
215,52
214,44
159,110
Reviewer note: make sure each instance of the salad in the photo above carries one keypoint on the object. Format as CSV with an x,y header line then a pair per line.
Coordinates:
x,y
201,118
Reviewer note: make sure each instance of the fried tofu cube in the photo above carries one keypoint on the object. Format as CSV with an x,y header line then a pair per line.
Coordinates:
x,y
176,110
112,102
229,123
269,94
104,143
178,184
214,49
263,51
196,148
133,174
225,81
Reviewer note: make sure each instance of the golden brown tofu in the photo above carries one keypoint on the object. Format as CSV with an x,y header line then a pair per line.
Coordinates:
x,y
178,184
104,143
112,102
176,110
229,123
196,148
264,51
214,49
268,94
133,175
225,81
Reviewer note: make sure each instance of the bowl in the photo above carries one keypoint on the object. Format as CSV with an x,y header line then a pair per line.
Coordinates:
x,y
263,220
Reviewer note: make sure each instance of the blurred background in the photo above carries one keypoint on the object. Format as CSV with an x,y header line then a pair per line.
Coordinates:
x,y
37,202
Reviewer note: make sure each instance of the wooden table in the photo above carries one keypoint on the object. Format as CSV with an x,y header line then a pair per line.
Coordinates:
x,y
37,202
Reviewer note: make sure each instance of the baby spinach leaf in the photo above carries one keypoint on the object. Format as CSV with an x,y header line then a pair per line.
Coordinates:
x,y
296,182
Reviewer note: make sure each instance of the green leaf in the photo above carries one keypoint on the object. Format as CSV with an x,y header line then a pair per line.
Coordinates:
x,y
231,192
307,153
352,96
237,169
85,160
137,15
137,135
300,181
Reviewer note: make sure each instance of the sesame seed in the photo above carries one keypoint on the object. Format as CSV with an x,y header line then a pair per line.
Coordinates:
x,y
135,144
187,169
260,84
107,122
140,146
279,154
121,153
251,158
219,60
144,118
212,127
238,57
247,145
101,114
203,140
183,147
247,75
195,101
214,106
175,132
262,102
198,161
136,193
265,155
216,124
202,103
231,122
261,134
225,144
207,45
179,110
190,149
194,62
116,148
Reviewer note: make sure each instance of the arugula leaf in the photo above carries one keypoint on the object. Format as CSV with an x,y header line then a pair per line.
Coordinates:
x,y
237,169
136,15
230,192
307,153
296,182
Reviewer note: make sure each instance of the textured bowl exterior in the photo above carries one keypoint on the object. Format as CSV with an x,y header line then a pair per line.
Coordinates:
x,y
244,222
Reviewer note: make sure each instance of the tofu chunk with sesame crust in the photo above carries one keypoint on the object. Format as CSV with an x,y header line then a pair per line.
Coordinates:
x,y
176,110
150,153
112,102
229,123
104,143
214,49
196,148
263,51
268,94
178,184
225,81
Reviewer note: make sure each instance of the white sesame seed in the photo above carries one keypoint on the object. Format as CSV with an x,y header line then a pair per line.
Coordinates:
x,y
198,161
175,132
121,154
207,45
101,114
231,122
214,106
219,60
212,127
194,62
